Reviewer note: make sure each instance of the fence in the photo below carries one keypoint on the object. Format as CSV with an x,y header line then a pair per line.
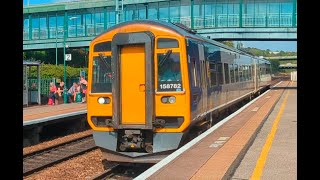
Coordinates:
x,y
45,84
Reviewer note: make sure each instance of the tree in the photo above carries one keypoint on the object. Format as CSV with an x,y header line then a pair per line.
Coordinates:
x,y
228,43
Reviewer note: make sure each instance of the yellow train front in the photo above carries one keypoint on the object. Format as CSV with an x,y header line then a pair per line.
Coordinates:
x,y
150,81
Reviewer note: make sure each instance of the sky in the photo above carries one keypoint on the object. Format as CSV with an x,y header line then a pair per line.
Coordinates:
x,y
272,45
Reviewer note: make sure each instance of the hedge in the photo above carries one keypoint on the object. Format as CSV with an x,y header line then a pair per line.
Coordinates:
x,y
53,71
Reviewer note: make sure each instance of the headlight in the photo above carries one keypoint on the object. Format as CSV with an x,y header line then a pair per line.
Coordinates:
x,y
164,99
168,99
104,100
172,99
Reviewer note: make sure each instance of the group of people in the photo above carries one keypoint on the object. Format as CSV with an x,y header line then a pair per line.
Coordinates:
x,y
76,93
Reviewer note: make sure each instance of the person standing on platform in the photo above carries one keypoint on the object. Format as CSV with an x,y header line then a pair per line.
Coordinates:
x,y
83,86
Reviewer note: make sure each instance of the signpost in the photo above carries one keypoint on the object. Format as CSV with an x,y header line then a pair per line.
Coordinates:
x,y
68,57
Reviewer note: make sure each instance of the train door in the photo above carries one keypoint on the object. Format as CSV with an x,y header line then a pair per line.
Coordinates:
x,y
132,83
132,86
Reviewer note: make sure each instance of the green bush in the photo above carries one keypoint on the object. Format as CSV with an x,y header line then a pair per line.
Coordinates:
x,y
53,71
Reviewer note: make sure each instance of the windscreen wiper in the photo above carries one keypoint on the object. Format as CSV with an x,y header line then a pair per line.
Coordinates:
x,y
104,60
166,56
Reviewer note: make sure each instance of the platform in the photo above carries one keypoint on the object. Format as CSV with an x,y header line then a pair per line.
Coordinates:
x,y
273,154
41,114
216,153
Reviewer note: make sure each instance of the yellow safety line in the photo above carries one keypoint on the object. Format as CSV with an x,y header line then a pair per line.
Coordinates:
x,y
257,172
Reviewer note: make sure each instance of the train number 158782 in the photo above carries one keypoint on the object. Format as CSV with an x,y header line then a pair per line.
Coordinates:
x,y
170,86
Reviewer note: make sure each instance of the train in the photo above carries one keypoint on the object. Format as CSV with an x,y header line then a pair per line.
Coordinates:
x,y
150,82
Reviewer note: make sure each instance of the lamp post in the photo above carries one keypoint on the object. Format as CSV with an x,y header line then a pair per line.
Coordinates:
x,y
64,63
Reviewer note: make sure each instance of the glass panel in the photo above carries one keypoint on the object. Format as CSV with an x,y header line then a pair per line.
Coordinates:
x,y
35,26
209,10
60,21
111,17
231,67
219,73
260,14
273,14
222,13
248,13
169,73
167,43
233,13
141,11
226,72
102,47
25,28
72,24
43,27
99,21
101,74
286,14
153,11
164,11
185,11
198,12
174,11
80,24
236,71
52,26
130,12
213,74
193,57
89,23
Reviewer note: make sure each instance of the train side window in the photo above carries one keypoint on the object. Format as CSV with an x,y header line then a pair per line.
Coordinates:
x,y
231,67
240,73
220,73
250,72
102,47
213,74
167,43
226,73
236,72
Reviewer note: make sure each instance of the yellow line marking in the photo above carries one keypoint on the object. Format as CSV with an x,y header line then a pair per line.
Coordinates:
x,y
257,172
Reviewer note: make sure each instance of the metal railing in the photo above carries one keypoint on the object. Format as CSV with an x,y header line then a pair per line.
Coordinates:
x,y
45,84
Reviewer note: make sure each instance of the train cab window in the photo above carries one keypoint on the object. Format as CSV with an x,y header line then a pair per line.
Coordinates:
x,y
102,47
169,72
101,74
167,43
226,73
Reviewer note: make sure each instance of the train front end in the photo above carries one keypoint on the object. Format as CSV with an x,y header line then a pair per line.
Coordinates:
x,y
137,96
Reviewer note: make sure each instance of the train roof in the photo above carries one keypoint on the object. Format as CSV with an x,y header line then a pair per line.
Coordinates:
x,y
182,30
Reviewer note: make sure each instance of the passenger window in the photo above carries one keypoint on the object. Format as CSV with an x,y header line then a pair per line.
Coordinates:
x,y
213,74
102,47
236,71
167,43
220,73
231,67
226,72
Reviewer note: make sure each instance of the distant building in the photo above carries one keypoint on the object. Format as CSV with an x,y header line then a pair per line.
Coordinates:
x,y
275,52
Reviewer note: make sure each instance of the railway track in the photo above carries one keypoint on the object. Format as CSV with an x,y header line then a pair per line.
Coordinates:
x,y
39,160
118,171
